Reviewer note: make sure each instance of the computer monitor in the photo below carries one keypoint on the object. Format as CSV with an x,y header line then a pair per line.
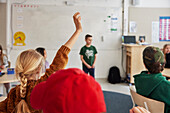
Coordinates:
x,y
141,37
129,39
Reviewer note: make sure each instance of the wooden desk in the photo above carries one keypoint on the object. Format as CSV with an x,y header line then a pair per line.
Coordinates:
x,y
8,78
2,98
134,60
166,72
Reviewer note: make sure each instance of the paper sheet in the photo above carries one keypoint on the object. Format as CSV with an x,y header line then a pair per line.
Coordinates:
x,y
155,32
133,27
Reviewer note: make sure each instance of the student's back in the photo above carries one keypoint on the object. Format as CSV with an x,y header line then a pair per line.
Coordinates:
x,y
151,83
154,86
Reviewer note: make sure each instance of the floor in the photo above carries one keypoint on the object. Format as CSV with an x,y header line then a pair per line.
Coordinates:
x,y
120,87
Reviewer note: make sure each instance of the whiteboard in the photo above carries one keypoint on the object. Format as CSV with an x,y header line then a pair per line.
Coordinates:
x,y
50,26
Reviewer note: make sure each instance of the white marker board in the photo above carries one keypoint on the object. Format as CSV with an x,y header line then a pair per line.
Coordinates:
x,y
51,26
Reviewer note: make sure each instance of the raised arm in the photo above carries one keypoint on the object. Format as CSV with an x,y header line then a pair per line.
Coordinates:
x,y
72,40
61,58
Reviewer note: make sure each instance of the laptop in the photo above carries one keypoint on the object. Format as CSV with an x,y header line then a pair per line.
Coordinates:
x,y
129,39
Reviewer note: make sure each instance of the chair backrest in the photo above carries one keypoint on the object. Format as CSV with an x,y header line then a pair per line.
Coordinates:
x,y
9,64
152,105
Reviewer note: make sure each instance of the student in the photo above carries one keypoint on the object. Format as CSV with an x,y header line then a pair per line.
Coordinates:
x,y
43,52
69,91
151,83
28,67
166,51
88,56
3,65
3,59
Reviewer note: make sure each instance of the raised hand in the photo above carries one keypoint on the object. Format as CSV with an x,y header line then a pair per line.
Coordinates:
x,y
77,21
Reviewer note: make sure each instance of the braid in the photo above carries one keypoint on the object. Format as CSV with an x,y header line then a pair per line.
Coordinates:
x,y
22,107
23,86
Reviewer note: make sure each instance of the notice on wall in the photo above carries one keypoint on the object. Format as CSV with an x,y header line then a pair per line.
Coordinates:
x,y
132,27
164,28
155,32
19,38
114,23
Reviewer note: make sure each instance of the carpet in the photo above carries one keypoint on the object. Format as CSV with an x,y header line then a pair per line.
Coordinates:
x,y
117,102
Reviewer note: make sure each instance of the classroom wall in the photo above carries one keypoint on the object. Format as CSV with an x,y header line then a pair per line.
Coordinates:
x,y
3,25
106,57
144,22
151,3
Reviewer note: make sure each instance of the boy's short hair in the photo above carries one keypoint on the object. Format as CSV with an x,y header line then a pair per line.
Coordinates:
x,y
87,36
153,59
40,50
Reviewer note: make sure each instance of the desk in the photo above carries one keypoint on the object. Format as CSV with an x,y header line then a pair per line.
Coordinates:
x,y
166,72
8,78
134,60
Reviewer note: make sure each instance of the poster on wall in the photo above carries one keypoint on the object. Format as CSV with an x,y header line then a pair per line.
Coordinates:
x,y
112,22
164,28
19,38
133,27
155,32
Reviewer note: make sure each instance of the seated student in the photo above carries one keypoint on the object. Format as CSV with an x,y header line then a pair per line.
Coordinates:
x,y
28,67
3,59
43,52
4,64
151,83
68,91
166,51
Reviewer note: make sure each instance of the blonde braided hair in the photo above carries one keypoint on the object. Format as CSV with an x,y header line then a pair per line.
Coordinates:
x,y
28,64
23,86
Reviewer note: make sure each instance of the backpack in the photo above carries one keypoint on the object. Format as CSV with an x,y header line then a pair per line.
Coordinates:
x,y
114,75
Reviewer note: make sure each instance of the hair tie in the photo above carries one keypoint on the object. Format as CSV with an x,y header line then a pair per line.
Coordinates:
x,y
22,98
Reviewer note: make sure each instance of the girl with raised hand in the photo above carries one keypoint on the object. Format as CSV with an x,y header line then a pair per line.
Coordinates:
x,y
28,69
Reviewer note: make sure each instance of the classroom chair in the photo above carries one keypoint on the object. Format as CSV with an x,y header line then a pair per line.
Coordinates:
x,y
151,105
9,64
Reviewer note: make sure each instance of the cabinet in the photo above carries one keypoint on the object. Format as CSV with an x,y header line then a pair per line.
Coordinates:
x,y
134,60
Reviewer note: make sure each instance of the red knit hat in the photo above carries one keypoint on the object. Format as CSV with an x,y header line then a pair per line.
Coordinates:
x,y
68,91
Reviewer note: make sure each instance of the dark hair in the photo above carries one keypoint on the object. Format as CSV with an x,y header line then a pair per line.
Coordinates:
x,y
1,48
153,67
41,50
1,55
87,36
165,47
